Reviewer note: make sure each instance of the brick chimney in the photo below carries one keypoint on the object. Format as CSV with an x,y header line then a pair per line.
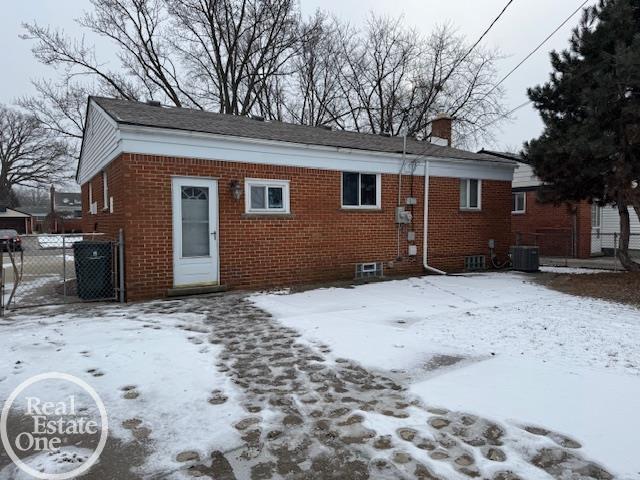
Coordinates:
x,y
441,130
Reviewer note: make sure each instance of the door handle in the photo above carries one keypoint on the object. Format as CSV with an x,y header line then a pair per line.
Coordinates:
x,y
215,235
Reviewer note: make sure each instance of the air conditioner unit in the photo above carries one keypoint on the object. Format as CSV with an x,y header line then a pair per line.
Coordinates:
x,y
525,258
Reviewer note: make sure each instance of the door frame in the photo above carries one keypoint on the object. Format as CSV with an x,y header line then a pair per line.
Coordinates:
x,y
198,181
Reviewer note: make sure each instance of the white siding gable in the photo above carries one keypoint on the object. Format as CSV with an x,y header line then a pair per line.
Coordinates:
x,y
523,176
100,145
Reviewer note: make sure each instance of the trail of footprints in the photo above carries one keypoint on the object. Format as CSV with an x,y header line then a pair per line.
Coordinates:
x,y
316,425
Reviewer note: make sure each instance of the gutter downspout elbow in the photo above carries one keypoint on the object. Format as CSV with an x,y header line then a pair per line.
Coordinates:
x,y
425,262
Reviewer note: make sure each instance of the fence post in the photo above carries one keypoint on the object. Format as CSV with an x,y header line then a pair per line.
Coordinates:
x,y
2,284
615,250
121,291
64,268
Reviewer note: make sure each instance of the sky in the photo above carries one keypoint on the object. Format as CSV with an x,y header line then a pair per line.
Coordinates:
x,y
525,24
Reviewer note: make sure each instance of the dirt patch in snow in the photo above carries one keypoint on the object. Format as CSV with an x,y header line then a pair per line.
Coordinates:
x,y
617,287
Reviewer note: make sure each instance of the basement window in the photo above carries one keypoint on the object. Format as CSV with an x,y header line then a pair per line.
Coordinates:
x,y
360,190
519,201
366,270
470,194
474,263
266,196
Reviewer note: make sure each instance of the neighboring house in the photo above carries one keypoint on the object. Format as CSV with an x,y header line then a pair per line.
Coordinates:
x,y
208,199
606,226
68,210
559,230
13,219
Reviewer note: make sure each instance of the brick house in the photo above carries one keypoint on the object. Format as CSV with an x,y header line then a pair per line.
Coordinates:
x,y
559,230
207,199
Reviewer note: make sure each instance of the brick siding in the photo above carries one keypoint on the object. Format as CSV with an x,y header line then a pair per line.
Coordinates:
x,y
552,226
317,242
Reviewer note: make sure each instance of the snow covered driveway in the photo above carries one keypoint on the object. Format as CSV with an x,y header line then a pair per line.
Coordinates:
x,y
496,345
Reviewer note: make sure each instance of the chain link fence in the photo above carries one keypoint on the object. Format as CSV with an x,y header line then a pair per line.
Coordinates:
x,y
550,244
50,269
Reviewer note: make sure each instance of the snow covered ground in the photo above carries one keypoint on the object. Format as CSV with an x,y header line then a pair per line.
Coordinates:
x,y
154,370
497,345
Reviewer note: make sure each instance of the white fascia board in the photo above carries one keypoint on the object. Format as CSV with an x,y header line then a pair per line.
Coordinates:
x,y
176,143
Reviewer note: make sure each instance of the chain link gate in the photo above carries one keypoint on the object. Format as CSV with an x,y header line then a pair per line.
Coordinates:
x,y
54,269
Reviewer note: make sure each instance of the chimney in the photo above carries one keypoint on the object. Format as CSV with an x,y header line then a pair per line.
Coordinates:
x,y
441,130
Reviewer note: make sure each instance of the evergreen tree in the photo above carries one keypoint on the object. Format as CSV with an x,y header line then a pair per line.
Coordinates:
x,y
589,149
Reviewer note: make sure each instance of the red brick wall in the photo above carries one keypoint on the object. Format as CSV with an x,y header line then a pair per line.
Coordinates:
x,y
454,233
552,226
318,242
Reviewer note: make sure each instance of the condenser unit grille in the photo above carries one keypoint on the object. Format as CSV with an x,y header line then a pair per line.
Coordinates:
x,y
365,270
474,263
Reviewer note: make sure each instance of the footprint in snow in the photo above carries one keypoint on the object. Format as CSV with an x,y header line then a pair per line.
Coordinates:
x,y
95,372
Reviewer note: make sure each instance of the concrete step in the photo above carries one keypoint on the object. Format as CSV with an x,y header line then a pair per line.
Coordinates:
x,y
196,290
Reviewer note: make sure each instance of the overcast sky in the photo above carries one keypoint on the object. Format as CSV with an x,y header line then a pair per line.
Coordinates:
x,y
521,28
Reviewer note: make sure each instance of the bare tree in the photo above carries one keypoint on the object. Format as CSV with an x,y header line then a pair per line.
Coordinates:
x,y
314,92
259,57
232,48
30,155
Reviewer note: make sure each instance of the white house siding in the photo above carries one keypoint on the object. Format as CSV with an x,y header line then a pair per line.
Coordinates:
x,y
523,176
100,145
611,225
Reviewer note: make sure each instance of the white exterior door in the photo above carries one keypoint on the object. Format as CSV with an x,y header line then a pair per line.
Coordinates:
x,y
195,231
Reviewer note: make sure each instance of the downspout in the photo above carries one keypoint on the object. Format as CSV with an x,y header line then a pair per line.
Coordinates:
x,y
425,237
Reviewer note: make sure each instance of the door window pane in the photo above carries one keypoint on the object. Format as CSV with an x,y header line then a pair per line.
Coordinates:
x,y
275,197
368,190
350,188
257,197
195,222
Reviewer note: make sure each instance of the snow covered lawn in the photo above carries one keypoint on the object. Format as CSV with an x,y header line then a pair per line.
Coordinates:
x,y
497,345
153,369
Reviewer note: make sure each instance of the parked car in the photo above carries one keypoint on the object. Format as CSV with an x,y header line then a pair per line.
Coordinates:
x,y
9,240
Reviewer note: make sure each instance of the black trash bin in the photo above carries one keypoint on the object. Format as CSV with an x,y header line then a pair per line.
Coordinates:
x,y
93,262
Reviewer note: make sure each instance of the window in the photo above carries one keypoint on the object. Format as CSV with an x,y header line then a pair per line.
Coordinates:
x,y
519,200
360,190
474,263
195,222
105,191
470,194
266,196
596,216
93,206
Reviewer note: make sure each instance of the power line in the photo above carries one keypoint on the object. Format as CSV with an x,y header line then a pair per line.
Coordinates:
x,y
484,34
538,47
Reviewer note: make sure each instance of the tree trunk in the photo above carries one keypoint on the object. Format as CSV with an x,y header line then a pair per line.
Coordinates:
x,y
623,248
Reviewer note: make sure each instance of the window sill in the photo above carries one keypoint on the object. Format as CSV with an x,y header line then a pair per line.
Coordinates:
x,y
361,209
471,210
518,213
265,216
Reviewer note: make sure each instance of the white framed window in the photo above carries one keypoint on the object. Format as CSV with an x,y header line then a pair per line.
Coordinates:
x,y
105,191
93,206
596,216
266,196
361,190
470,194
518,202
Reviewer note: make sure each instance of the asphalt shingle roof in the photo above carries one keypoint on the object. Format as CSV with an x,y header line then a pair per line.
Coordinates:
x,y
137,113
